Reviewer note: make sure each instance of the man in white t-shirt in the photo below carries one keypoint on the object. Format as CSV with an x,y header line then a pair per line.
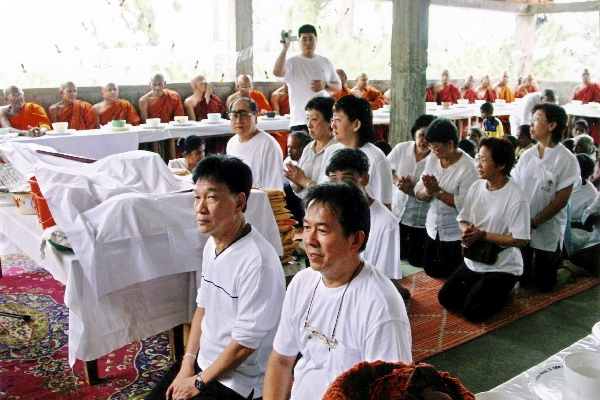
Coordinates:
x,y
256,148
521,114
239,300
341,310
307,75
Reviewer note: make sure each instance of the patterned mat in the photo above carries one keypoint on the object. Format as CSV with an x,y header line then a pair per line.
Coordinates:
x,y
435,330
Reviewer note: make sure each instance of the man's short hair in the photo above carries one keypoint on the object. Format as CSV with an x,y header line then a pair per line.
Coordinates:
x,y
442,130
383,146
487,107
503,152
422,121
306,28
231,171
468,146
586,142
524,130
581,122
252,103
556,114
348,204
549,94
586,165
357,108
348,158
322,104
302,136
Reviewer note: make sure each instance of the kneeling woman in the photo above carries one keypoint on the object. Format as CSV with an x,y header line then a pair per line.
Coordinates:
x,y
193,151
494,221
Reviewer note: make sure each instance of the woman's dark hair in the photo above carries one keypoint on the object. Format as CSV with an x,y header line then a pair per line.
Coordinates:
x,y
503,152
228,170
384,146
525,131
357,108
422,121
347,202
569,144
190,143
556,114
324,105
468,146
586,165
513,140
442,130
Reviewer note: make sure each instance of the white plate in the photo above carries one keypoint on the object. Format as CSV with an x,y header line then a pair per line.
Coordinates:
x,y
68,132
189,123
496,396
159,126
596,331
287,116
9,135
462,106
118,129
221,121
547,382
275,118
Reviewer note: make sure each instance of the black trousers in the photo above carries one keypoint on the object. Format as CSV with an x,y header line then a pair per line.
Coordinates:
x,y
412,244
478,295
214,390
441,259
539,268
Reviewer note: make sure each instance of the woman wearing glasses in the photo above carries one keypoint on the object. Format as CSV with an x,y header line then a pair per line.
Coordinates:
x,y
192,149
445,182
494,222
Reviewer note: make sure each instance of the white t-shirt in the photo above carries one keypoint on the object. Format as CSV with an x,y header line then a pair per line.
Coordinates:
x,y
521,114
299,74
383,245
456,180
504,211
372,325
380,172
411,211
263,155
179,163
581,198
312,163
242,292
540,179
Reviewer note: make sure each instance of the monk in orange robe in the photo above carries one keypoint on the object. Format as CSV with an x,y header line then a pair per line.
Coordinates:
x,y
446,91
246,89
466,90
369,93
503,91
26,119
345,89
280,100
484,91
587,92
529,85
203,101
160,102
112,107
79,114
429,97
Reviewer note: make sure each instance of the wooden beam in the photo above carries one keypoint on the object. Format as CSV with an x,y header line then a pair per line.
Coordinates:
x,y
553,8
515,8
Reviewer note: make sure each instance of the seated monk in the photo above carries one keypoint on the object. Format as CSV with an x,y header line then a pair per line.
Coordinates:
x,y
203,101
503,91
429,97
112,107
587,91
280,100
466,90
160,102
26,119
484,91
369,93
446,91
345,89
246,89
529,85
78,113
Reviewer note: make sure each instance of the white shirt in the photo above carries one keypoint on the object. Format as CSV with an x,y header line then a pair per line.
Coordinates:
x,y
504,211
411,211
383,246
380,172
178,163
263,155
312,163
521,114
242,292
299,74
581,199
540,179
456,180
372,325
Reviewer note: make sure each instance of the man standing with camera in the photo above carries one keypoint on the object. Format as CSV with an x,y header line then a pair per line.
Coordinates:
x,y
307,75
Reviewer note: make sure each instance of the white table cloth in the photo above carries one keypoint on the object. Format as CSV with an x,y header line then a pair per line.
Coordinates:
x,y
584,110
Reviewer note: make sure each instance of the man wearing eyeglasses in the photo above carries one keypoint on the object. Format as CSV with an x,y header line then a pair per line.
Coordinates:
x,y
255,147
341,310
26,119
245,88
160,102
307,75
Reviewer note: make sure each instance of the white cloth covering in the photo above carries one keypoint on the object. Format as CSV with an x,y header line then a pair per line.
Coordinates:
x,y
581,199
263,155
456,180
383,245
540,179
372,325
299,74
504,211
242,294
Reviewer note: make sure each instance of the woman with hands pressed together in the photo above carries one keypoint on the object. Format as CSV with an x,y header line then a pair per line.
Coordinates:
x,y
494,222
445,182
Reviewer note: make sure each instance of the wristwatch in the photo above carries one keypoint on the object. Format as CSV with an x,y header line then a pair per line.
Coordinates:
x,y
199,383
439,194
326,85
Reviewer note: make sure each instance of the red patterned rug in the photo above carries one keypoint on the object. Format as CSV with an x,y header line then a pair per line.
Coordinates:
x,y
34,355
435,330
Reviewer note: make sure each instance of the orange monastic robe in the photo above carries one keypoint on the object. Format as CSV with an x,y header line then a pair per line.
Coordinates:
x,y
449,94
261,100
120,109
166,107
507,94
489,96
429,95
530,90
374,97
470,95
284,104
344,92
31,115
80,115
589,93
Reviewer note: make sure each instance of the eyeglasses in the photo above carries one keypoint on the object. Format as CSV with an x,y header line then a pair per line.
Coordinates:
x,y
481,160
16,95
239,114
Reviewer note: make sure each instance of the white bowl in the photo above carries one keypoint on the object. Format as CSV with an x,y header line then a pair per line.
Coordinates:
x,y
153,121
496,396
214,117
387,107
462,101
181,119
60,127
576,102
431,104
582,374
500,101
4,131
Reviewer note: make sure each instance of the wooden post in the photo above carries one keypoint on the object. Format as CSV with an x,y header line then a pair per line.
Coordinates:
x,y
409,63
525,40
244,38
